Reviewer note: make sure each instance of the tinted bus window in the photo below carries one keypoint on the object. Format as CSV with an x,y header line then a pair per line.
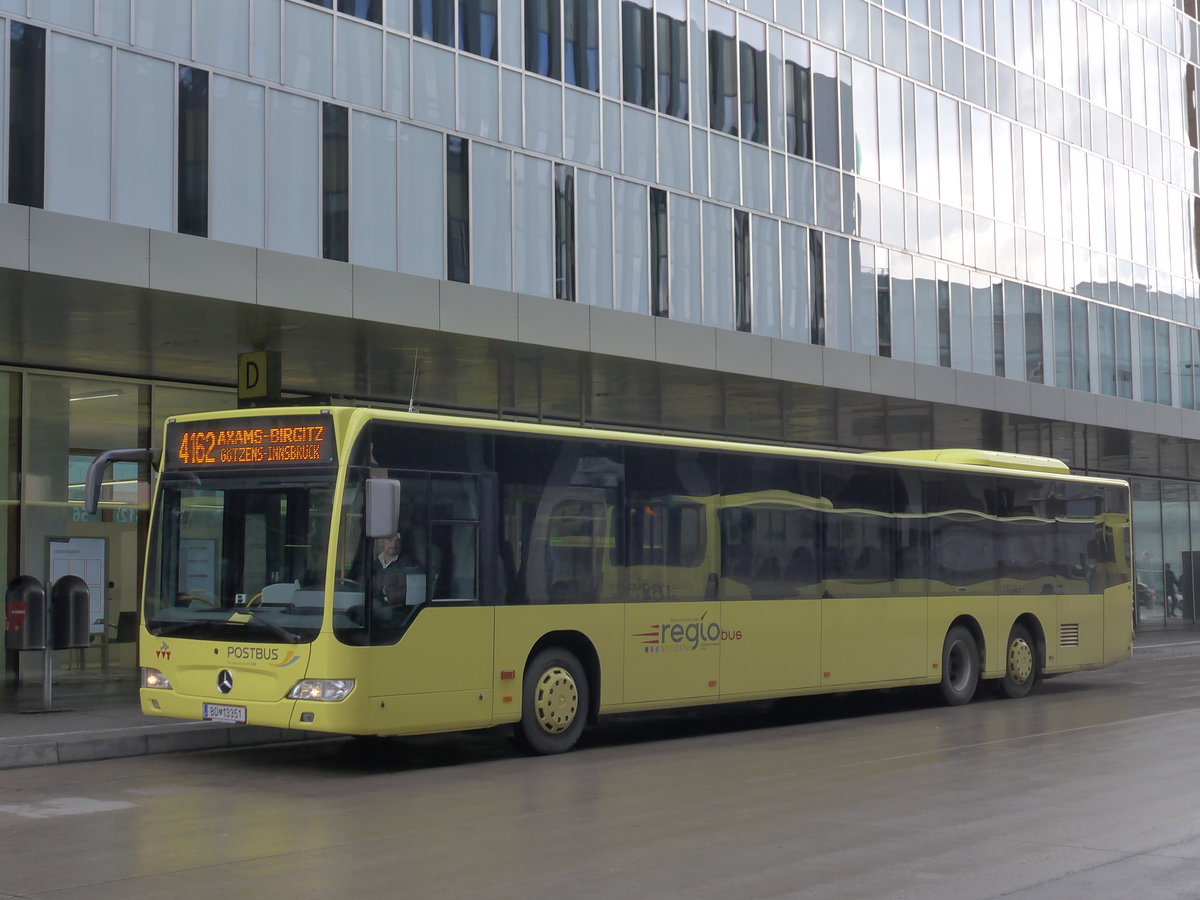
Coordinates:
x,y
1079,529
859,556
960,533
1025,537
769,528
670,493
560,519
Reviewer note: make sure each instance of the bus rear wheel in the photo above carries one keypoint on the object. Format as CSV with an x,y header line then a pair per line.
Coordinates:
x,y
960,666
1022,669
554,702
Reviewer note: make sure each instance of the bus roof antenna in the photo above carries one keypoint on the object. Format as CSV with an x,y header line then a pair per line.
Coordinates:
x,y
412,391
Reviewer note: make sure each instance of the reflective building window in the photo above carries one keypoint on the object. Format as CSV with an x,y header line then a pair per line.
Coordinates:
x,y
637,52
543,37
335,182
581,44
193,151
564,232
722,70
458,205
672,49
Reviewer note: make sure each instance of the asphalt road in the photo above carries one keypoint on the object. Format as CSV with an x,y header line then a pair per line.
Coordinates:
x,y
1086,790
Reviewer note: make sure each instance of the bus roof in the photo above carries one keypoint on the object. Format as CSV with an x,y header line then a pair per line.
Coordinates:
x,y
998,459
352,417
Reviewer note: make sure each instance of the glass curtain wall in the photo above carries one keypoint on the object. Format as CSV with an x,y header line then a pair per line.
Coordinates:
x,y
51,428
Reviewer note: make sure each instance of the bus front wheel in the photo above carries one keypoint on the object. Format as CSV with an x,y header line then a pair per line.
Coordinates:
x,y
960,666
554,702
1022,671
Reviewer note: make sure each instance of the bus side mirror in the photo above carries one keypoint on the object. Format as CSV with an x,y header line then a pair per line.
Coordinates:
x,y
99,466
382,507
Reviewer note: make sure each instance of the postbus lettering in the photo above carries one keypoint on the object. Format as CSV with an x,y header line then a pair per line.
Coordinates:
x,y
252,654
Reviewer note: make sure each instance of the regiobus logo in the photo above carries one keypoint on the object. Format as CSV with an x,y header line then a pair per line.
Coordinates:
x,y
685,635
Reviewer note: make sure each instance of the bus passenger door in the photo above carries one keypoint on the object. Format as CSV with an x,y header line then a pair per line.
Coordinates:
x,y
433,667
874,621
770,592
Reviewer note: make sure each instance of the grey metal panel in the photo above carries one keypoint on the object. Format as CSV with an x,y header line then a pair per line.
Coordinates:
x,y
1047,402
743,353
844,369
301,283
1189,425
467,309
1110,411
685,344
1081,407
795,362
1013,396
14,236
186,264
552,323
975,391
619,333
60,244
893,377
936,383
1140,416
1168,420
396,298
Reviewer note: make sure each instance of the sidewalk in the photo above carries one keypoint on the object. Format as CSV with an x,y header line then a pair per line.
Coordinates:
x,y
93,721
90,721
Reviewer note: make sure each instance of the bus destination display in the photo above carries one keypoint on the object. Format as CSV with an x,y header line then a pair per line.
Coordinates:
x,y
256,441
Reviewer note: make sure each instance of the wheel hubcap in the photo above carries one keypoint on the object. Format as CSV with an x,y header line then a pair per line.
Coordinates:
x,y
1020,660
556,700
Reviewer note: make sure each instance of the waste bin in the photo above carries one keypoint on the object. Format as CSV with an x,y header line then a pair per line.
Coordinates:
x,y
25,614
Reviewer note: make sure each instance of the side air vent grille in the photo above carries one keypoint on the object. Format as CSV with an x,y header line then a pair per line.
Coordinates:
x,y
1068,635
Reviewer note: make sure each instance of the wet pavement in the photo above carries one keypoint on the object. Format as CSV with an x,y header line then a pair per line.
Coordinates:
x,y
102,720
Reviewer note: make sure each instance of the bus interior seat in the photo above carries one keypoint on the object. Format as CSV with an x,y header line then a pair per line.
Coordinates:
x,y
768,569
279,594
564,592
801,563
126,628
834,563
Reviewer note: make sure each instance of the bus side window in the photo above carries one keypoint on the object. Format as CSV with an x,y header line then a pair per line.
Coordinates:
x,y
454,538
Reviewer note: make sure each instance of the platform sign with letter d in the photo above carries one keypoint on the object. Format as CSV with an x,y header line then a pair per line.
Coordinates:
x,y
258,375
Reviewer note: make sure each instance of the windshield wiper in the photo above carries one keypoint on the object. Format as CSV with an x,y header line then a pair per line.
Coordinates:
x,y
162,630
274,627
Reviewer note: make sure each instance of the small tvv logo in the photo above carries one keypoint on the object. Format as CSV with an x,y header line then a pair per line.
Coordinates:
x,y
685,635
163,652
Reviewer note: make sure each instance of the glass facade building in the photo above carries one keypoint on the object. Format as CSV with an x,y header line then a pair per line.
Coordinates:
x,y
853,223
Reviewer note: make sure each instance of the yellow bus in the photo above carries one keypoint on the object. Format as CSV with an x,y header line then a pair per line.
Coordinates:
x,y
368,572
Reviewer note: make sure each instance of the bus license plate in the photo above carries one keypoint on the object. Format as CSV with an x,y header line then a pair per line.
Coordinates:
x,y
220,712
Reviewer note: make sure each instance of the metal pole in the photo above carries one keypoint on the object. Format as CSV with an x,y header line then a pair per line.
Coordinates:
x,y
48,661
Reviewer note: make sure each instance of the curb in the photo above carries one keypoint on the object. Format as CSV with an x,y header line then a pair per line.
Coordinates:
x,y
45,750
1168,650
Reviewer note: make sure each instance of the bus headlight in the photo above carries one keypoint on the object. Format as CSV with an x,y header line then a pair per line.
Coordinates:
x,y
152,678
330,689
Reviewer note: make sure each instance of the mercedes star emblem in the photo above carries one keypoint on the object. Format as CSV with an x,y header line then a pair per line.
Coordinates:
x,y
225,681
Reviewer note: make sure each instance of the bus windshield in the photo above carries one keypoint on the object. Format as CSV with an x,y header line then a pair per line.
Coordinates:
x,y
240,556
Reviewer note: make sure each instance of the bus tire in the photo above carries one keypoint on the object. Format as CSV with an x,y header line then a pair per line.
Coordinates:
x,y
554,702
960,666
1022,668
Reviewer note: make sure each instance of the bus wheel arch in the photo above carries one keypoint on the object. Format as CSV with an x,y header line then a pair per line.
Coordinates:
x,y
961,662
1024,659
559,694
